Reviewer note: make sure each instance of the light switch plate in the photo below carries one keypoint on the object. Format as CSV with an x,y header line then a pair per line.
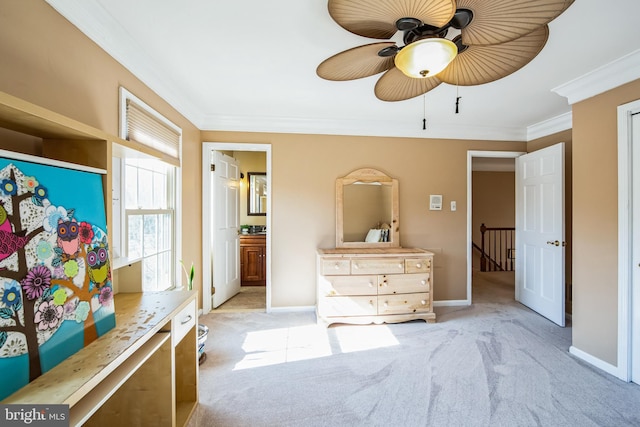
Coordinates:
x,y
453,206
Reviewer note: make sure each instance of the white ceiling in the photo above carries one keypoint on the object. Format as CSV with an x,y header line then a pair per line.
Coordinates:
x,y
250,65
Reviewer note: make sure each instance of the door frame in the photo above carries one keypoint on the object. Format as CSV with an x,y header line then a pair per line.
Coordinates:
x,y
625,243
470,156
207,212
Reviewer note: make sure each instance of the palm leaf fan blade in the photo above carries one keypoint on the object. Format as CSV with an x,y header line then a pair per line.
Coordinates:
x,y
377,19
499,21
484,64
356,63
395,86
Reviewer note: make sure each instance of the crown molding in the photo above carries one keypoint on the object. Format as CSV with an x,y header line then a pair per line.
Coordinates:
x,y
403,129
609,76
550,126
99,26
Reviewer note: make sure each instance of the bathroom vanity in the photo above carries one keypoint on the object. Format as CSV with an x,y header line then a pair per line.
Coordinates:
x,y
253,259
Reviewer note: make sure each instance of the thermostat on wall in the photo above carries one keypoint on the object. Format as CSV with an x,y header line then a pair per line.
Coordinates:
x,y
435,202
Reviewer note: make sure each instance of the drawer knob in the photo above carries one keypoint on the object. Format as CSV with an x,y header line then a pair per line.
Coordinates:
x,y
371,303
386,304
423,302
187,319
424,282
418,265
400,266
371,284
355,266
337,266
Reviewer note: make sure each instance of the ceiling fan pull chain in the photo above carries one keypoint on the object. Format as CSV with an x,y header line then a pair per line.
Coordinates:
x,y
424,112
457,94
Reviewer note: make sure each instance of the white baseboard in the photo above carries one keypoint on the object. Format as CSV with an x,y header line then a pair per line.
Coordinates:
x,y
451,303
598,363
292,309
445,303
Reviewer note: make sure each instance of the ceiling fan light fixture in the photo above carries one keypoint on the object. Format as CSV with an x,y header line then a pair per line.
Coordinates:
x,y
425,58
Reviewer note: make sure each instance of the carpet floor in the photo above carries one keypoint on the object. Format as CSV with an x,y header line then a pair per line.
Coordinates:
x,y
494,363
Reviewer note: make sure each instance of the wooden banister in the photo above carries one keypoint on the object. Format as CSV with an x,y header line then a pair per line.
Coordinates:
x,y
497,249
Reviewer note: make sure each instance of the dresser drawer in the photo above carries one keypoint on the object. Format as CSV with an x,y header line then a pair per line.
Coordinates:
x,y
184,321
334,267
403,304
377,266
417,265
403,283
347,306
348,285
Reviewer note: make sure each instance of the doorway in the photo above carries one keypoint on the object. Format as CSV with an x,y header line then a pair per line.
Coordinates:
x,y
487,161
628,368
539,229
209,232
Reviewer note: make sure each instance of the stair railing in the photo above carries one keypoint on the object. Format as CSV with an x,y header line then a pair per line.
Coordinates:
x,y
497,248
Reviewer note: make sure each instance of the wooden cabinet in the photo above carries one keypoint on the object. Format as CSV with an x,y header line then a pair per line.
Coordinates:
x,y
385,285
143,372
253,260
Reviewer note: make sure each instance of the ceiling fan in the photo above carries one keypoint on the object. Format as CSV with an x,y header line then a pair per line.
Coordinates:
x,y
463,42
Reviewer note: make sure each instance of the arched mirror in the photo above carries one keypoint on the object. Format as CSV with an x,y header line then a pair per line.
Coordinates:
x,y
367,210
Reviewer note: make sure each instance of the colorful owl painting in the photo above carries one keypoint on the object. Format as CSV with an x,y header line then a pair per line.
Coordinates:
x,y
68,236
9,241
99,266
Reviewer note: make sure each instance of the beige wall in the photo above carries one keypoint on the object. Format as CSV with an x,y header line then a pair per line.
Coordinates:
x,y
303,200
49,62
595,222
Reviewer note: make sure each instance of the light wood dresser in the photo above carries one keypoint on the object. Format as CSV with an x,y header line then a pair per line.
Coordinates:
x,y
371,285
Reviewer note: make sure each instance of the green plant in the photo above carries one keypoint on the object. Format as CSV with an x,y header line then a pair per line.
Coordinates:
x,y
189,275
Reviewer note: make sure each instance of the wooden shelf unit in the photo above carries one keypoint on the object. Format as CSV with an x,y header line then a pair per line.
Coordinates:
x,y
145,370
139,373
71,141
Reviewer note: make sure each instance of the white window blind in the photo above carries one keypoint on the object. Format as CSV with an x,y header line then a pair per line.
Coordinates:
x,y
147,129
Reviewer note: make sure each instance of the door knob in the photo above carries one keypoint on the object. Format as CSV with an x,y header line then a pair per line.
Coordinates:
x,y
556,243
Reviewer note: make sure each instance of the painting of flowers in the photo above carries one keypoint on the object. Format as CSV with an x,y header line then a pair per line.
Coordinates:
x,y
55,275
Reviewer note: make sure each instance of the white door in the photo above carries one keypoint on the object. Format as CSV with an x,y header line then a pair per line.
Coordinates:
x,y
635,248
226,223
540,232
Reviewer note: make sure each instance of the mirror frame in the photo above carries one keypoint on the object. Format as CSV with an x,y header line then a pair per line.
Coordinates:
x,y
367,175
249,193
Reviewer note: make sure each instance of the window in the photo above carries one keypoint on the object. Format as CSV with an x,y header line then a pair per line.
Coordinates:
x,y
149,220
144,196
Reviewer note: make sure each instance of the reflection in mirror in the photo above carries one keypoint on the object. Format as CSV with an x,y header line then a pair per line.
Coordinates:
x,y
367,210
367,205
257,194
